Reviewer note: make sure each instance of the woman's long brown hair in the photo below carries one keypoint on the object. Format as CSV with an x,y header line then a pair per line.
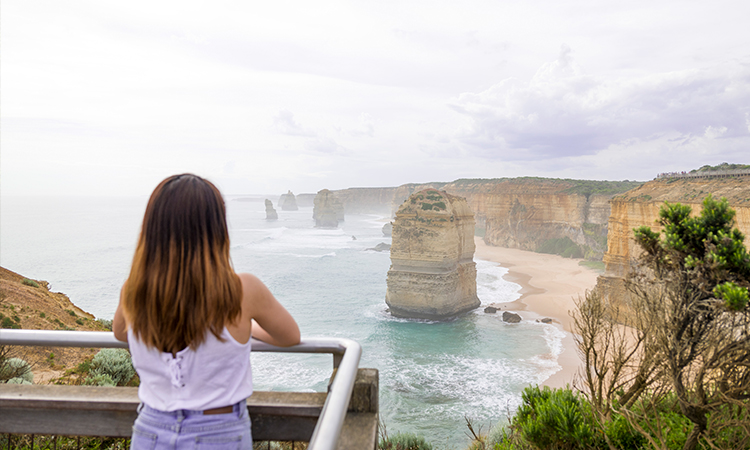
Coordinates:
x,y
182,283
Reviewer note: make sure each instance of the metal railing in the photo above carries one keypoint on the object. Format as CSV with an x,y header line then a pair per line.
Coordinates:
x,y
346,355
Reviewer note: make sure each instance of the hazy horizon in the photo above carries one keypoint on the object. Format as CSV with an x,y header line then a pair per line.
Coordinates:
x,y
108,99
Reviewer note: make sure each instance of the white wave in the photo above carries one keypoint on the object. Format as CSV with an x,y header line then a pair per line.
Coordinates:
x,y
492,287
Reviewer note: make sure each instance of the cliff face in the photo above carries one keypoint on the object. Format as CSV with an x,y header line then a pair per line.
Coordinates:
x,y
367,200
327,210
527,213
432,274
641,206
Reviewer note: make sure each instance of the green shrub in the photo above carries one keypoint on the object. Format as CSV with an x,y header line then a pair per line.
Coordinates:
x,y
7,322
42,315
71,312
101,379
553,419
622,435
79,321
105,323
114,362
404,441
15,368
31,283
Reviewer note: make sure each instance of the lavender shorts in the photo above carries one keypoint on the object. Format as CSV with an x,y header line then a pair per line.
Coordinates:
x,y
186,429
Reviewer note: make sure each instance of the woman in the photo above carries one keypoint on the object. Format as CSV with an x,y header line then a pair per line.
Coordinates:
x,y
188,318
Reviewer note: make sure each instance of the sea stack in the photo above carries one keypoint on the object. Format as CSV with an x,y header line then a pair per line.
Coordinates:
x,y
288,202
270,212
433,274
328,211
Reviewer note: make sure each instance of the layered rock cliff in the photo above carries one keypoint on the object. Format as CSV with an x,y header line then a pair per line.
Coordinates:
x,y
327,210
641,206
527,213
533,213
432,274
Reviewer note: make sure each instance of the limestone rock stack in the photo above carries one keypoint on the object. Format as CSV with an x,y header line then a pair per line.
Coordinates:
x,y
288,202
328,211
270,212
432,274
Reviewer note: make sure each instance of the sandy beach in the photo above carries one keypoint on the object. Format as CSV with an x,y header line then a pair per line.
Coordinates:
x,y
549,284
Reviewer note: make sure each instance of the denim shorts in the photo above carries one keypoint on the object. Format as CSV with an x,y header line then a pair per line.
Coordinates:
x,y
186,429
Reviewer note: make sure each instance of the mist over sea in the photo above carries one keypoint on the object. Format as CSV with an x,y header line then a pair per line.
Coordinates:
x,y
432,374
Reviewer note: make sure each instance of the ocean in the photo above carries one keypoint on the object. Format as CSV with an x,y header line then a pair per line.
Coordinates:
x,y
432,374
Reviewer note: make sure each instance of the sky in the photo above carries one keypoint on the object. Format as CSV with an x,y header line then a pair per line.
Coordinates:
x,y
108,98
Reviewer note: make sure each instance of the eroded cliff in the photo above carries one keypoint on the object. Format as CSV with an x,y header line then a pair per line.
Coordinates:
x,y
641,206
537,213
432,274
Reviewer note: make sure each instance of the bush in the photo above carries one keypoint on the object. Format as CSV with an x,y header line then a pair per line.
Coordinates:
x,y
12,368
100,380
31,283
556,419
7,322
404,441
106,323
114,362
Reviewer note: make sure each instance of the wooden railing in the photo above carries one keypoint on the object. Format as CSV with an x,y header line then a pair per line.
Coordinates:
x,y
346,417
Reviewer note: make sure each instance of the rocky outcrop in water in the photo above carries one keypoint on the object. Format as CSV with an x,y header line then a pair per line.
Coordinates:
x,y
327,210
432,274
270,212
387,229
287,202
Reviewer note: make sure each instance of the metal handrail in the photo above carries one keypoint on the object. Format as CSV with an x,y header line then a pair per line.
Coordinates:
x,y
346,355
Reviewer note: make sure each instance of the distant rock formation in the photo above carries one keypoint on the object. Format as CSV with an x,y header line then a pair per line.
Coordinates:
x,y
388,229
328,211
270,212
381,247
432,274
287,202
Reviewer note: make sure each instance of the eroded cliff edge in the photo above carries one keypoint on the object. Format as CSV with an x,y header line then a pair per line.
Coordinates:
x,y
641,206
432,274
525,213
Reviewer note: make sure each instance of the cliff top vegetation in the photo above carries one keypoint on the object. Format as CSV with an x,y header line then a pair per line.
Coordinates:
x,y
569,186
722,166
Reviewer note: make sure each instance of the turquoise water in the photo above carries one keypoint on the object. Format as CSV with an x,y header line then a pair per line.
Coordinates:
x,y
432,374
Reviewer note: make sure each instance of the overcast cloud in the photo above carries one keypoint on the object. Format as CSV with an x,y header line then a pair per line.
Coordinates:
x,y
102,98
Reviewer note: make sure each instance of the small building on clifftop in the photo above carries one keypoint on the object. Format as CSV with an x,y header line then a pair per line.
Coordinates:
x,y
432,274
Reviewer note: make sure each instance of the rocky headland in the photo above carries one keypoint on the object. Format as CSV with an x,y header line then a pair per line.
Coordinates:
x,y
30,304
432,274
641,206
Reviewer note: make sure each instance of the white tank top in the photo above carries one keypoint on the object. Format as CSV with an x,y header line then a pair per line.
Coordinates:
x,y
216,374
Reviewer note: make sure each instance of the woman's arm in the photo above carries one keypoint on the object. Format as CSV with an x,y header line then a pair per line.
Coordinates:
x,y
272,322
119,326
